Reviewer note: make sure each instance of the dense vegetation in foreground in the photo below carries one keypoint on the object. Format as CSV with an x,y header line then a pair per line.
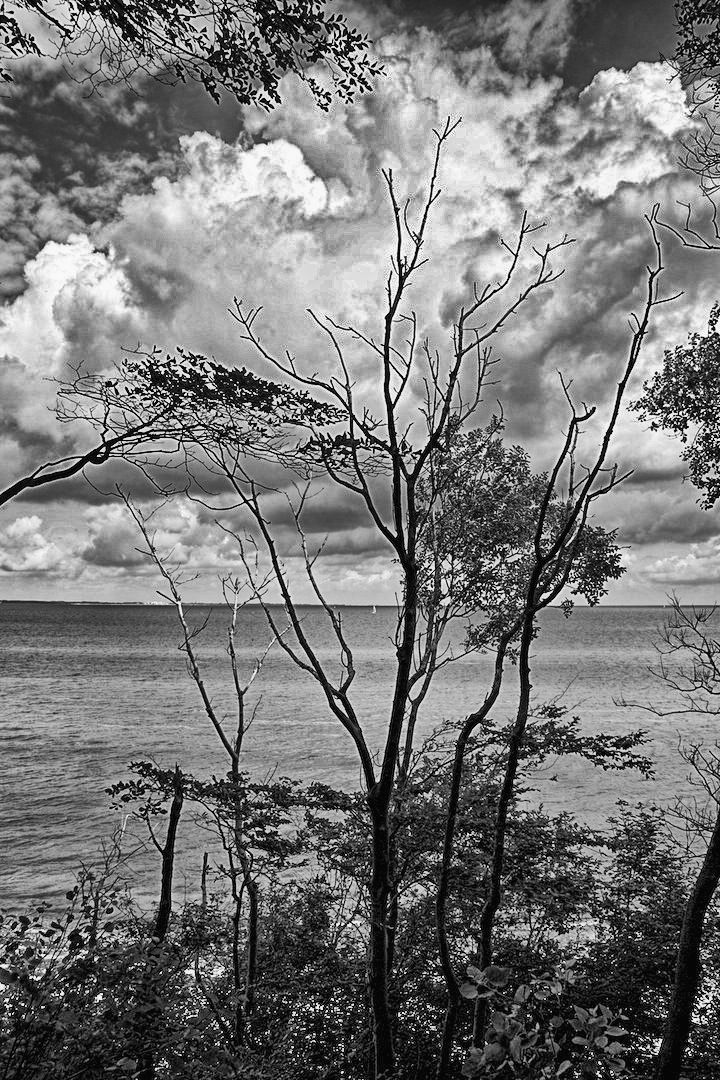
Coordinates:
x,y
264,975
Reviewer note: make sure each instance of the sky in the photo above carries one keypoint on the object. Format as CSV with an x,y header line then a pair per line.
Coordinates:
x,y
135,216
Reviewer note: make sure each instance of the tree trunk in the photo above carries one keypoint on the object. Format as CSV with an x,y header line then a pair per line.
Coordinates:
x,y
453,1004
168,858
379,968
146,1065
252,948
497,862
471,723
687,971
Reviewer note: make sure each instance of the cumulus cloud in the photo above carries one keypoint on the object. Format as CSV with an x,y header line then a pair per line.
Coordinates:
x,y
301,219
28,217
189,541
294,214
76,312
24,549
184,534
114,539
698,565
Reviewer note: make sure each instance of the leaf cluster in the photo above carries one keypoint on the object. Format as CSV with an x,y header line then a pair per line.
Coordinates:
x,y
482,504
681,399
539,1033
240,47
697,50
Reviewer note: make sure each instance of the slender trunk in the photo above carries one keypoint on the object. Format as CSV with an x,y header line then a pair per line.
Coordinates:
x,y
492,900
451,985
378,967
393,912
470,725
168,858
246,1005
379,800
146,1065
252,948
687,971
239,1010
203,883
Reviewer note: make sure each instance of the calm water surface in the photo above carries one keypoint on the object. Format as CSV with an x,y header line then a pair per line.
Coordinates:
x,y
86,688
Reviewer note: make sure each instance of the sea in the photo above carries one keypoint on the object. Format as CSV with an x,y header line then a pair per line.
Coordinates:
x,y
86,688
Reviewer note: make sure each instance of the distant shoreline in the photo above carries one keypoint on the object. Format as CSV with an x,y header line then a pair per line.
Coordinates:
x,y
359,607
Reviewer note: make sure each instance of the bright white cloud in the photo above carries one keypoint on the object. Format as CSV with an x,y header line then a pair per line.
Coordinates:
x,y
301,220
77,310
24,549
184,535
698,565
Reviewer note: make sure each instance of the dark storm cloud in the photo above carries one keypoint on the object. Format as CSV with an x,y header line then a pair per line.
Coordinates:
x,y
330,519
653,523
650,477
93,488
39,446
331,511
618,33
68,159
523,33
337,542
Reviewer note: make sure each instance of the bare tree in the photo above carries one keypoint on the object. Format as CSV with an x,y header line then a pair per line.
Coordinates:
x,y
365,452
382,460
557,547
233,796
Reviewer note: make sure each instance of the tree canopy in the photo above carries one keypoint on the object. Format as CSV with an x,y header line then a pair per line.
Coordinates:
x,y
682,399
483,529
152,406
697,52
240,47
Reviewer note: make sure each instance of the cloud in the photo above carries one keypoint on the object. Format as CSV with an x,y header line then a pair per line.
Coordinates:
x,y
185,536
667,516
113,539
300,219
526,35
532,36
642,103
25,550
28,218
700,565
651,477
76,311
68,157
